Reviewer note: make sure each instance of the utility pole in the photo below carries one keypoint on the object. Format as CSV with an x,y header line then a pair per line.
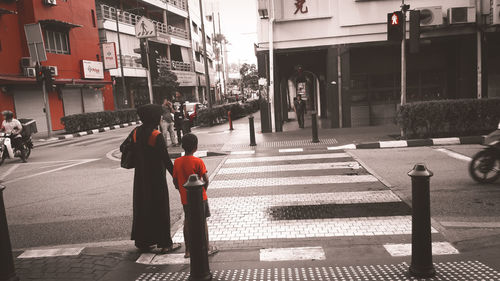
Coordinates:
x,y
479,50
271,63
404,8
214,45
205,57
124,87
222,44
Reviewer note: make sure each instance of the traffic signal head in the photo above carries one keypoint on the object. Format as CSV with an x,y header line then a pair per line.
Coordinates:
x,y
49,78
153,64
40,74
395,21
415,17
142,51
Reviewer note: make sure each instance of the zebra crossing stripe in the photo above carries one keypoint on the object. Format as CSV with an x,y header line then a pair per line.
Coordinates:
x,y
438,248
287,150
242,152
43,253
293,167
292,254
287,158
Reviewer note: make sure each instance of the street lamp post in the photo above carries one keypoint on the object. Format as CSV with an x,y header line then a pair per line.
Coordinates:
x,y
124,87
205,58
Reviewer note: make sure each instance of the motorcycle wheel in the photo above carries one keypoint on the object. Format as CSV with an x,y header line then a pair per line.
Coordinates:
x,y
484,167
25,153
3,155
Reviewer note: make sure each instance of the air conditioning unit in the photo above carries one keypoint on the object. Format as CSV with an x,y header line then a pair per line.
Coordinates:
x,y
458,15
26,62
431,15
29,72
53,69
50,2
495,12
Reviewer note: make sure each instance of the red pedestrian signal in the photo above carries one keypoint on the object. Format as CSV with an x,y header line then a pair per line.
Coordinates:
x,y
395,23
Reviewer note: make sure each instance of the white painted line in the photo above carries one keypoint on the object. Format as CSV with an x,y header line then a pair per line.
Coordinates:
x,y
116,126
133,123
68,136
28,254
107,129
287,150
10,170
199,154
293,167
125,125
145,258
110,156
243,152
466,224
292,254
258,182
438,248
288,158
95,131
445,141
53,139
347,146
81,134
454,154
392,144
153,259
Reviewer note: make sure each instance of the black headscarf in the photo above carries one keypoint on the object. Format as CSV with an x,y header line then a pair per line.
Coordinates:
x,y
150,114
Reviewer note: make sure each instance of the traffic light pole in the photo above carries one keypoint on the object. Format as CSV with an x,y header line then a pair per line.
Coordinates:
x,y
47,108
403,54
148,72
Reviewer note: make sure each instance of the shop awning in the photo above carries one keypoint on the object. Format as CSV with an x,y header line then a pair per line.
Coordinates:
x,y
58,23
18,80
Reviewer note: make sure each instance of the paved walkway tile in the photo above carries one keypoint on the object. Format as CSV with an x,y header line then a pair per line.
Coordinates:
x,y
256,182
288,158
42,253
445,271
438,248
291,167
292,254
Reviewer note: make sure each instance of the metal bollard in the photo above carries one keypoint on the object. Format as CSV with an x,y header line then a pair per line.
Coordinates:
x,y
252,131
315,138
421,239
196,221
230,120
7,269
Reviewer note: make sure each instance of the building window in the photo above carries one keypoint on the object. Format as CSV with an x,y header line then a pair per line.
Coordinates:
x,y
197,56
57,42
195,27
209,40
93,18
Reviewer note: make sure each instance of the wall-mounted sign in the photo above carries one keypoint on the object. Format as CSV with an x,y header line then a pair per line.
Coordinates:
x,y
186,79
109,55
287,10
145,28
92,69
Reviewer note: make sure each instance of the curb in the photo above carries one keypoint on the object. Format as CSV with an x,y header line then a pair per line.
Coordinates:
x,y
413,143
90,132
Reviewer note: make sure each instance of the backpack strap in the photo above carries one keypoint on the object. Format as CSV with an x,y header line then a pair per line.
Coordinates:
x,y
134,135
152,137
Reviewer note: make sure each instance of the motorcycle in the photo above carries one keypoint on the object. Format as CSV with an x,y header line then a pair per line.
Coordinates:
x,y
8,151
485,165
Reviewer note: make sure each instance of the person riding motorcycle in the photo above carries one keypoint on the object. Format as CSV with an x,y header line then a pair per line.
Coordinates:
x,y
13,128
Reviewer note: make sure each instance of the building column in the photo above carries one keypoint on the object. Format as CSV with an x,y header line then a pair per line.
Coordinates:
x,y
278,106
332,94
345,64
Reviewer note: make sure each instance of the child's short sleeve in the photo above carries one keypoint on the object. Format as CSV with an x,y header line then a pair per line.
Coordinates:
x,y
203,168
176,167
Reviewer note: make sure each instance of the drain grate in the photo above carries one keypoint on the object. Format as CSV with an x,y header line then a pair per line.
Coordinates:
x,y
449,271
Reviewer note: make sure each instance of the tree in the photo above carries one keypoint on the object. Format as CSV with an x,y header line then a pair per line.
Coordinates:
x,y
167,82
249,76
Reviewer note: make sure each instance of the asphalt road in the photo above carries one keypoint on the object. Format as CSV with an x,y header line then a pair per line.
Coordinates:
x,y
74,191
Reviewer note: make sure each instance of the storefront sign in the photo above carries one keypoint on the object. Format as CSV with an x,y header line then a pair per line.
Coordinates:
x,y
185,79
109,55
287,10
92,69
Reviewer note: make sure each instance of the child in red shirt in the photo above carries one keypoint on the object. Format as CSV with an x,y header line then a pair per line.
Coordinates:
x,y
183,168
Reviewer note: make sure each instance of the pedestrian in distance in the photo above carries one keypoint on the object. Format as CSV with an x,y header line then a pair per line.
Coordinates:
x,y
299,106
151,210
167,122
180,115
183,168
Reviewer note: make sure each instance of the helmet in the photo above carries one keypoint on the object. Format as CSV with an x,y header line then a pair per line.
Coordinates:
x,y
8,114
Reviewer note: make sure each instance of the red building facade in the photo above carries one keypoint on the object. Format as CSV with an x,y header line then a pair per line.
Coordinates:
x,y
70,33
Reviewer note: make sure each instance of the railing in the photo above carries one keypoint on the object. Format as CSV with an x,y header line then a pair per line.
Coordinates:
x,y
181,4
109,13
175,65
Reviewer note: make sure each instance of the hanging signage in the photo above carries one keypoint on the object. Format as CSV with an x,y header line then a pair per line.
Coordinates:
x,y
109,55
92,69
287,10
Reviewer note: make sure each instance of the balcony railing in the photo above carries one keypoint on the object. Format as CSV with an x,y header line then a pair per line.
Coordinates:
x,y
109,13
175,65
181,4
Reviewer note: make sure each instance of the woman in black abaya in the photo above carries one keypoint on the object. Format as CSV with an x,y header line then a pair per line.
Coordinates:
x,y
151,218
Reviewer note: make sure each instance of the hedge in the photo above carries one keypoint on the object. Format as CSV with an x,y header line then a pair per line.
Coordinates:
x,y
94,120
218,113
446,118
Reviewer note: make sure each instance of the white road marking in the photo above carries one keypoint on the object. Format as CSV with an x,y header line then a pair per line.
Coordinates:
x,y
243,152
454,154
95,131
85,161
154,259
42,253
438,248
287,158
256,182
294,167
110,156
81,134
199,154
392,144
287,150
467,224
341,147
445,141
292,254
10,170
